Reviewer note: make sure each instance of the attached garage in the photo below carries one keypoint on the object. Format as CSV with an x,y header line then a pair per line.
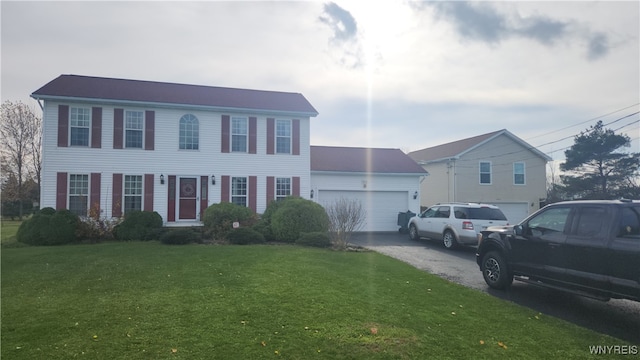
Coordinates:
x,y
514,211
381,207
385,181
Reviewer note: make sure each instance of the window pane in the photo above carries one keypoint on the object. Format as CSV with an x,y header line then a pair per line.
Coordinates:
x,y
78,194
283,188
239,134
283,137
132,193
239,191
485,173
133,129
189,132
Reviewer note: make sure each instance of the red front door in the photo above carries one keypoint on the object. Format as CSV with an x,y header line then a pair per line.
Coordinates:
x,y
188,198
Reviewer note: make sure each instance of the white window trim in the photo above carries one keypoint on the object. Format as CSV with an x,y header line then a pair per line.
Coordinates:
x,y
124,191
88,127
480,173
179,129
85,195
524,173
276,187
124,129
246,135
290,137
246,195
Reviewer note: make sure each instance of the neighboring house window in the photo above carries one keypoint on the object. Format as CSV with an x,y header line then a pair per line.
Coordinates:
x,y
189,132
239,134
80,124
133,129
283,188
239,191
518,173
283,137
78,194
485,172
132,193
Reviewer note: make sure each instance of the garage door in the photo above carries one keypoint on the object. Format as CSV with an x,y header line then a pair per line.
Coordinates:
x,y
382,207
514,211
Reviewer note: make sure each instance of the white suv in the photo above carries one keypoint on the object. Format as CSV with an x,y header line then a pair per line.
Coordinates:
x,y
455,223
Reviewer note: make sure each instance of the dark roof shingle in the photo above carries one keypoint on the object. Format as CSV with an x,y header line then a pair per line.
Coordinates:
x,y
87,87
363,160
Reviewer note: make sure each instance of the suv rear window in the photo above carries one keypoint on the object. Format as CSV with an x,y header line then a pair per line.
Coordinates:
x,y
483,213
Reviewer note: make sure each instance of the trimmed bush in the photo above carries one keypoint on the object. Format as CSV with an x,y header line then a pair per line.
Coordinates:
x,y
139,225
218,219
46,228
315,239
245,236
264,226
47,211
296,216
180,236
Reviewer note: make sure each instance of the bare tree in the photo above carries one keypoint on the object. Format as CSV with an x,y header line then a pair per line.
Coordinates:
x,y
345,217
19,127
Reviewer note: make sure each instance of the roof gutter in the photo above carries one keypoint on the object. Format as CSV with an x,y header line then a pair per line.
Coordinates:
x,y
172,105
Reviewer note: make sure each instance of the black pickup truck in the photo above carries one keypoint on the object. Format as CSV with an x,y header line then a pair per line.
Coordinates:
x,y
591,248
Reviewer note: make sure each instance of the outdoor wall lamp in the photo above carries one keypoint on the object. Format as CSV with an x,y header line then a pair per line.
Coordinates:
x,y
415,195
312,193
213,179
161,179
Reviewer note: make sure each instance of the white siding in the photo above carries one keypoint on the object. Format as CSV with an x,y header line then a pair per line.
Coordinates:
x,y
167,159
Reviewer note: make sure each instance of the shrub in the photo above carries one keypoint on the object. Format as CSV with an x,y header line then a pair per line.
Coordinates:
x,y
296,216
46,228
316,239
264,226
180,236
218,219
139,225
244,236
47,211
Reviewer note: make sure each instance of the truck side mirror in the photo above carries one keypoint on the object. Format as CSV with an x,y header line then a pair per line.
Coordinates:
x,y
518,229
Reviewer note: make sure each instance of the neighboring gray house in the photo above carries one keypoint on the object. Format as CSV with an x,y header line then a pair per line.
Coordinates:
x,y
385,181
497,168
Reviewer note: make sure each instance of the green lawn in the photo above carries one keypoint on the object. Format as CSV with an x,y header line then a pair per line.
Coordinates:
x,y
8,230
151,301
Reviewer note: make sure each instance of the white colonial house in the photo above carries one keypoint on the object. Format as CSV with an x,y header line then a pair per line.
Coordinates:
x,y
115,145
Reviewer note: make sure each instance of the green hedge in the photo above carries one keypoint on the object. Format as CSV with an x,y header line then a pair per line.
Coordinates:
x,y
218,219
315,239
49,227
296,216
245,236
139,225
180,236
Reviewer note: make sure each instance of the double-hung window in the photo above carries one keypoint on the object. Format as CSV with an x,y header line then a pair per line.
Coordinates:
x,y
283,137
133,129
239,191
518,173
283,188
239,134
132,193
485,173
78,194
80,123
189,132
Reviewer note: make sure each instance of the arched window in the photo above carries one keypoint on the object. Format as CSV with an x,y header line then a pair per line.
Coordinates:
x,y
189,132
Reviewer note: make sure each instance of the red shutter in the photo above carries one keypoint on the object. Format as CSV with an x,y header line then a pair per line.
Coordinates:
x,y
94,197
63,126
226,124
148,192
271,133
253,130
296,186
295,136
253,188
225,187
116,199
118,127
96,127
271,189
149,130
171,211
61,191
204,195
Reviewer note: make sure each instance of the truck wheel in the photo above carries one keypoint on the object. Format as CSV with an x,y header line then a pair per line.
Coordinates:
x,y
449,240
496,271
413,232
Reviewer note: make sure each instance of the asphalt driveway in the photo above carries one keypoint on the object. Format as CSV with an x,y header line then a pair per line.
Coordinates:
x,y
617,318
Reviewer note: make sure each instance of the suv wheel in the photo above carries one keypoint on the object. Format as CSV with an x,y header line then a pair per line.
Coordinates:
x,y
496,271
413,232
449,240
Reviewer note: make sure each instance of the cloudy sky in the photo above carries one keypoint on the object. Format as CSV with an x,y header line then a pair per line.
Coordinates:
x,y
393,74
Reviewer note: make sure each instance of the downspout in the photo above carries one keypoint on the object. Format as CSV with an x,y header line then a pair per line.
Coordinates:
x,y
453,166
